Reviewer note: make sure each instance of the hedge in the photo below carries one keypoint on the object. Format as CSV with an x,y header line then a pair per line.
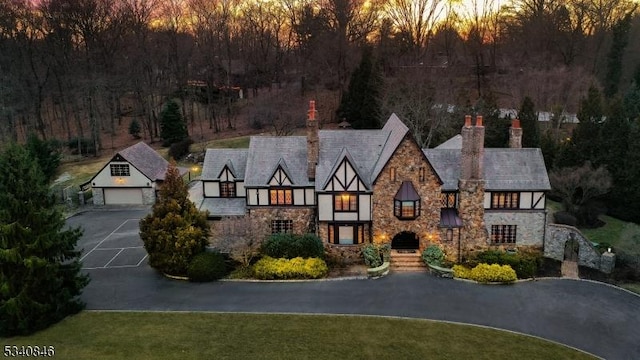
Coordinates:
x,y
486,273
525,264
269,268
207,266
291,246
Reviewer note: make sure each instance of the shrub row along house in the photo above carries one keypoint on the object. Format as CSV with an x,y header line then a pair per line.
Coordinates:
x,y
358,186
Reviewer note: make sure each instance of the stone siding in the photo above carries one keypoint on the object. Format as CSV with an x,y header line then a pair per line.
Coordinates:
x,y
474,235
303,217
557,237
344,254
407,161
98,196
148,196
530,225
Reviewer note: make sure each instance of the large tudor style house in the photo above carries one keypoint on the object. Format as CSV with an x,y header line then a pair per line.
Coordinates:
x,y
358,186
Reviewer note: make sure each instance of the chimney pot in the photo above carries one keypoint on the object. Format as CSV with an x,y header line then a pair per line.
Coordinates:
x,y
467,121
479,120
515,123
311,114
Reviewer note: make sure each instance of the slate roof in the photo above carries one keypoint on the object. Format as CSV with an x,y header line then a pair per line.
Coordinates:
x,y
397,130
147,160
504,169
224,206
407,192
265,152
453,143
216,159
361,147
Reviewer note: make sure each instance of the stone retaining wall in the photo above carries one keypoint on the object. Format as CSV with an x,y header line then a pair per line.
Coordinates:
x,y
556,239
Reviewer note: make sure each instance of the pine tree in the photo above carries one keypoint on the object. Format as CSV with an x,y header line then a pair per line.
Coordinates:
x,y
176,230
619,43
360,105
172,128
40,279
586,137
496,128
134,129
529,123
46,154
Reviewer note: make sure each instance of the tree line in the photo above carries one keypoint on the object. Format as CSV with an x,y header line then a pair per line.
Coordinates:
x,y
76,68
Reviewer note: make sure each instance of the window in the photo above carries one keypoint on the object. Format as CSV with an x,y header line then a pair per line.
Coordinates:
x,y
421,174
280,196
281,226
345,202
119,169
406,209
346,234
448,200
227,189
503,234
505,200
392,173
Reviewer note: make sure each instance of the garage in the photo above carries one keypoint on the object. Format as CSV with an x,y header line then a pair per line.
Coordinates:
x,y
122,196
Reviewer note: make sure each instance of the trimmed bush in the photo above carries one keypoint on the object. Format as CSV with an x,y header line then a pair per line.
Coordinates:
x,y
291,246
433,255
525,264
207,266
374,255
269,268
461,272
485,273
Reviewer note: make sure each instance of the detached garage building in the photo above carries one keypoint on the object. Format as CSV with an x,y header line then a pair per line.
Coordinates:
x,y
131,177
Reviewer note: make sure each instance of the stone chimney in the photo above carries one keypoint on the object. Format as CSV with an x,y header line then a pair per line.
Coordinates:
x,y
477,171
515,134
472,149
312,141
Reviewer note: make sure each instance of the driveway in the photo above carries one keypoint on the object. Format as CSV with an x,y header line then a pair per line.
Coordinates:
x,y
592,317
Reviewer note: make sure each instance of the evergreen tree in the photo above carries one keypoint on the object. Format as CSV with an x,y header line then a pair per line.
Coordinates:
x,y
585,141
173,129
496,128
614,60
626,204
46,154
134,129
40,279
360,104
176,230
529,122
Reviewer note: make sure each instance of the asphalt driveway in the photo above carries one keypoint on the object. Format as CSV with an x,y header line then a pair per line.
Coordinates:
x,y
595,318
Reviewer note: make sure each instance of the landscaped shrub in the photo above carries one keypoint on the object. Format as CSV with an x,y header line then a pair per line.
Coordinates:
x,y
433,255
461,271
207,266
371,256
180,149
269,268
525,264
565,218
290,246
493,273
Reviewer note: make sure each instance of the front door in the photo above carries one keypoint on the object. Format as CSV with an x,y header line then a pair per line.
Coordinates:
x,y
405,240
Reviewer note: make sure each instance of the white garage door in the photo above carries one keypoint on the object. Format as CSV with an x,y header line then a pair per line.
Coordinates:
x,y
122,196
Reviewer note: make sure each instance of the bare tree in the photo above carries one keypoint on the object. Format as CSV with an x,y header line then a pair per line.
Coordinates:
x,y
240,237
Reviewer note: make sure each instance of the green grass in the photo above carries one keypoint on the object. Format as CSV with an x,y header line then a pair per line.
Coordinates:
x,y
233,143
616,232
112,335
635,287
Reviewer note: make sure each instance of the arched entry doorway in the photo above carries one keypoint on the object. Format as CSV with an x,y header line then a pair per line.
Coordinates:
x,y
571,249
405,240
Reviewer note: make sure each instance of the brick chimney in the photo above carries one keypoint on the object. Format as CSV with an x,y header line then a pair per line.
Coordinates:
x,y
515,134
467,149
312,141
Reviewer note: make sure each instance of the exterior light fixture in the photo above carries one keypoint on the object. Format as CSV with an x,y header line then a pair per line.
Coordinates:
x,y
449,234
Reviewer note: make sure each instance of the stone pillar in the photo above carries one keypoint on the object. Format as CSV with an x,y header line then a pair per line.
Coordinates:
x,y
515,135
81,198
312,141
607,262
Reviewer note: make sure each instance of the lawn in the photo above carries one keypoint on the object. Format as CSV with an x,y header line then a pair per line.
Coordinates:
x,y
131,335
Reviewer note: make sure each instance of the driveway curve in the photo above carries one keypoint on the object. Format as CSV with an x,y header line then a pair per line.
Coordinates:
x,y
596,318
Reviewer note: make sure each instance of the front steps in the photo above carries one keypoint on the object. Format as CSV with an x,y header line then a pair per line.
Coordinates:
x,y
401,261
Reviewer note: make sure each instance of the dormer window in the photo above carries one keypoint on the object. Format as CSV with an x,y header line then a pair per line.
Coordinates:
x,y
280,196
227,189
406,203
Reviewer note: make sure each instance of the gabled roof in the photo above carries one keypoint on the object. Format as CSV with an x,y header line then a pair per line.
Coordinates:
x,y
216,159
265,152
396,130
224,206
504,169
283,166
453,143
361,147
145,159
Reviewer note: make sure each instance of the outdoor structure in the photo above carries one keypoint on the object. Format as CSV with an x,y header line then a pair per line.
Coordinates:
x,y
358,186
132,176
